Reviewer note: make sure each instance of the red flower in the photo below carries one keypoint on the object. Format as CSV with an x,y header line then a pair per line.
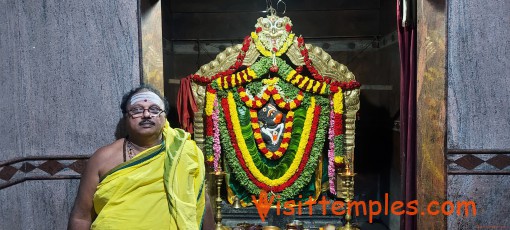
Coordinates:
x,y
238,64
264,151
246,43
274,69
258,29
300,40
338,124
288,28
209,123
299,69
339,165
249,77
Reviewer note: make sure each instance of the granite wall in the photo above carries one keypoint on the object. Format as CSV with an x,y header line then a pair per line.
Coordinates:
x,y
64,66
478,105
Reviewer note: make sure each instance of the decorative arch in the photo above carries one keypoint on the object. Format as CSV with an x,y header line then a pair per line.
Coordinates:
x,y
268,106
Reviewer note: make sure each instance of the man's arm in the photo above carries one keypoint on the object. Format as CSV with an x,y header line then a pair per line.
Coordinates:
x,y
83,213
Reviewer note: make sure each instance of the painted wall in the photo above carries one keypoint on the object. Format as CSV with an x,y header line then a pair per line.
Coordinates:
x,y
478,111
64,66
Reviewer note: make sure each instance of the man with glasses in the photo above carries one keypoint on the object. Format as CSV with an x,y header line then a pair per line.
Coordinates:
x,y
151,179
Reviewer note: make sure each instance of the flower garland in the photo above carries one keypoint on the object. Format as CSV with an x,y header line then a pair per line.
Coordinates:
x,y
301,146
283,104
276,168
305,83
231,69
301,81
216,137
239,78
249,165
267,53
245,158
308,62
338,126
315,74
292,76
210,99
331,151
245,179
260,142
271,91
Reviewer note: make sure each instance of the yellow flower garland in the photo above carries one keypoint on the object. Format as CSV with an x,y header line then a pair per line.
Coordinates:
x,y
257,103
290,75
339,159
267,53
209,104
247,157
236,79
270,81
338,101
312,86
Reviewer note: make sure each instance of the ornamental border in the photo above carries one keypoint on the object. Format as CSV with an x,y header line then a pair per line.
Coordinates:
x,y
21,169
478,162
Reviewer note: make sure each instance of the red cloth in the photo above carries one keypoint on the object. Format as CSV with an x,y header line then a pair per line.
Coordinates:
x,y
186,106
408,63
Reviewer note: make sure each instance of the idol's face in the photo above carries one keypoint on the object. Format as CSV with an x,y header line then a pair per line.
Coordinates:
x,y
145,118
271,122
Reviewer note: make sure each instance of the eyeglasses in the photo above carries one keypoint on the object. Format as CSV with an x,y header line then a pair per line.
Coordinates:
x,y
138,112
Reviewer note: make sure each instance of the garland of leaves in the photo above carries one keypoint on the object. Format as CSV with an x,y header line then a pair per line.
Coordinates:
x,y
312,145
244,153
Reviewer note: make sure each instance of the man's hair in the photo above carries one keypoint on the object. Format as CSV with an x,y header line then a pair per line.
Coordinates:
x,y
144,87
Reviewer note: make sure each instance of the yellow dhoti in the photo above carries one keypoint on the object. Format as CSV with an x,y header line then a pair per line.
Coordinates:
x,y
160,188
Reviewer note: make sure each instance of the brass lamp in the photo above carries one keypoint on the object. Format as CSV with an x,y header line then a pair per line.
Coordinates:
x,y
218,175
345,190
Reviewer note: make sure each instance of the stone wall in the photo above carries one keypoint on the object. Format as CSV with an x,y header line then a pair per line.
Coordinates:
x,y
64,67
478,105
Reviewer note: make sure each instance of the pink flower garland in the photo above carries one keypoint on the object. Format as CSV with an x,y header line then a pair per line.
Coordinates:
x,y
331,150
216,136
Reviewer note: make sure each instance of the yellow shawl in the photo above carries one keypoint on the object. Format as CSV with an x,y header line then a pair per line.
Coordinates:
x,y
160,188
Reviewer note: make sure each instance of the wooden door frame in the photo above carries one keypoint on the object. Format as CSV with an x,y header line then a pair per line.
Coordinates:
x,y
431,109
